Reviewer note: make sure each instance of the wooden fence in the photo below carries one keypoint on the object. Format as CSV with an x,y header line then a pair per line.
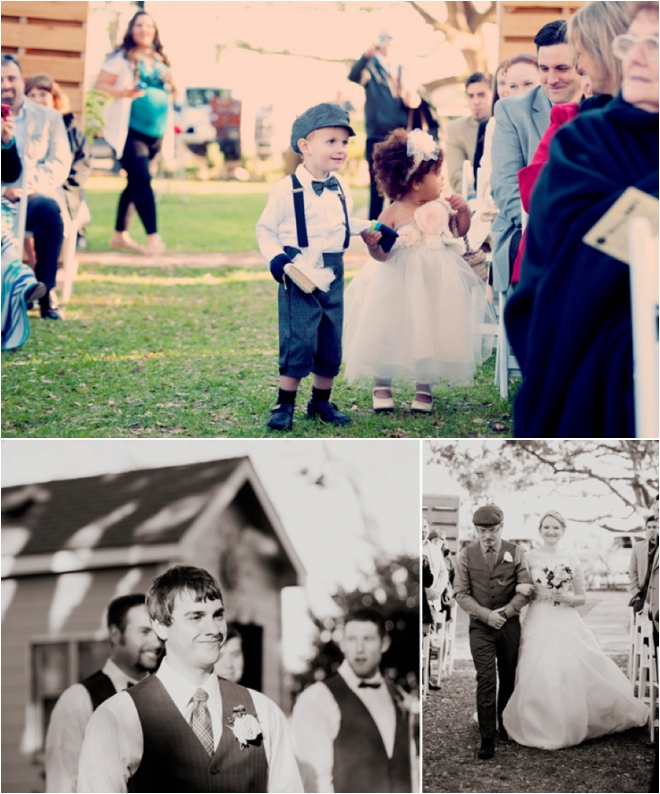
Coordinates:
x,y
49,38
520,22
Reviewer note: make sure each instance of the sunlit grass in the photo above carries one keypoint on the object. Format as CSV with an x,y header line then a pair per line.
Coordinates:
x,y
136,357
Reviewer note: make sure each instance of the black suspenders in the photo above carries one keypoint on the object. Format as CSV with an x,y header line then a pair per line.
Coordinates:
x,y
299,209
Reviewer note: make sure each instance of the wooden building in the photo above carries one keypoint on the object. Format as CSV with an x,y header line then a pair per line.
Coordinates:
x,y
442,513
49,38
69,547
519,22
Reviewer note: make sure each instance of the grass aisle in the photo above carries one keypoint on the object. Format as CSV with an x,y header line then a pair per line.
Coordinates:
x,y
182,352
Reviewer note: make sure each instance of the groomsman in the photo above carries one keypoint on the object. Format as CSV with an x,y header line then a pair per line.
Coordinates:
x,y
184,729
135,652
352,731
487,574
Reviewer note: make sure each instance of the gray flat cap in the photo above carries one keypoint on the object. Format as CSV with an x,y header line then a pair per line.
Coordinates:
x,y
488,516
324,115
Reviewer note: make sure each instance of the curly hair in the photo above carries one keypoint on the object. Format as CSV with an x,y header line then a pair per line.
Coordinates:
x,y
128,45
392,164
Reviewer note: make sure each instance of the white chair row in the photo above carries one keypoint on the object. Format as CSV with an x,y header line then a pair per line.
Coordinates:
x,y
642,666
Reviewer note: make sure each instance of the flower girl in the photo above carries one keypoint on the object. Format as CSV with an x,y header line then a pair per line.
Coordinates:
x,y
417,309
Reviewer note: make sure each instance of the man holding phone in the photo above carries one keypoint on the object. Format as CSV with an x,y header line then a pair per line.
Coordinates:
x,y
384,108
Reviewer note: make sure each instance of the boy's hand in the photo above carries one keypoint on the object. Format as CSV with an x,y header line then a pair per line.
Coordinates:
x,y
458,203
277,267
372,239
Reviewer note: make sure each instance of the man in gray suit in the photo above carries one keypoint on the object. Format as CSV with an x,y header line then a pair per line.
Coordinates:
x,y
487,575
521,122
641,561
462,133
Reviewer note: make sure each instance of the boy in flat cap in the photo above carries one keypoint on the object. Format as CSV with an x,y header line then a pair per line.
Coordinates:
x,y
308,218
487,574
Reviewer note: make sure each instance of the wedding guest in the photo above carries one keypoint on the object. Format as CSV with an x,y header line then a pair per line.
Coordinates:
x,y
352,731
39,132
487,574
384,109
520,124
462,133
571,333
135,651
183,728
591,31
137,76
43,90
641,564
231,663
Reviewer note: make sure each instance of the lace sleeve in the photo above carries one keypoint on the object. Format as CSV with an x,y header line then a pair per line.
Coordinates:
x,y
578,578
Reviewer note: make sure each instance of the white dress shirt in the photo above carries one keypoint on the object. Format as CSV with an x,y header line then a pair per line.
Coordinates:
x,y
324,216
114,742
66,730
316,720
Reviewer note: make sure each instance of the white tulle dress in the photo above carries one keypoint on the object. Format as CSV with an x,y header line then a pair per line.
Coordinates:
x,y
419,312
567,690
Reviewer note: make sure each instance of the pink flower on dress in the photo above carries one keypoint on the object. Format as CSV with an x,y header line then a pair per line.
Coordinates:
x,y
432,218
409,235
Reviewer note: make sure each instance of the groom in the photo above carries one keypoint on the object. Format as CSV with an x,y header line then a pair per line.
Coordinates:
x,y
183,728
487,574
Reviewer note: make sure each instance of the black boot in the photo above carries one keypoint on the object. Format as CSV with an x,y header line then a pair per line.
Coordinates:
x,y
46,309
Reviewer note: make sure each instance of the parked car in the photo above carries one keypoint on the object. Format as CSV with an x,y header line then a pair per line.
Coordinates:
x,y
208,114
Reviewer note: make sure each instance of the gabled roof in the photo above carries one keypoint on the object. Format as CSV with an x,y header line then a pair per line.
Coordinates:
x,y
137,516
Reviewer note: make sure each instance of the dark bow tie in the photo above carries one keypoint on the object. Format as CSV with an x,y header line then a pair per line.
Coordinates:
x,y
330,184
365,685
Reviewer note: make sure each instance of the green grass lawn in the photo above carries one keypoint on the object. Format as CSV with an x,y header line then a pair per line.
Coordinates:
x,y
182,352
191,221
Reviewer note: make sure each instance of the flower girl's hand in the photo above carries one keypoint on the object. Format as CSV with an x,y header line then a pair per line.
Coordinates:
x,y
371,238
458,203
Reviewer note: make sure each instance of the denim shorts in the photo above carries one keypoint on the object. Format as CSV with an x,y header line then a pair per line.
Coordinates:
x,y
311,325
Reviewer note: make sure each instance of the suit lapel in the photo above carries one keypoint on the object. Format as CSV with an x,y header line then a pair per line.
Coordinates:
x,y
541,112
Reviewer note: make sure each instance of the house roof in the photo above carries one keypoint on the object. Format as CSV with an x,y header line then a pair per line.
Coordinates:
x,y
146,512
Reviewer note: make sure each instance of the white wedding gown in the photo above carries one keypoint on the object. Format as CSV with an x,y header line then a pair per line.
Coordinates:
x,y
567,690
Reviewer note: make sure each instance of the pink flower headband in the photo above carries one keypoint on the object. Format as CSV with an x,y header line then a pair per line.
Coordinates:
x,y
421,147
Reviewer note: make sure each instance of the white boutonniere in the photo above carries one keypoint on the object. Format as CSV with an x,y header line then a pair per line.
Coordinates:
x,y
507,557
245,727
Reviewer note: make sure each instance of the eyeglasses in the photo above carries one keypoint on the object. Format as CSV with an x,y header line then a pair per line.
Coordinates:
x,y
622,45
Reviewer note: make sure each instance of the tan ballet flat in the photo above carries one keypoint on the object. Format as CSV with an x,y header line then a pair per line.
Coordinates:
x,y
127,244
421,407
382,404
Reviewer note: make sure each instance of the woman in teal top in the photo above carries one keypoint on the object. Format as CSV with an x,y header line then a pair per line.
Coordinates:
x,y
142,63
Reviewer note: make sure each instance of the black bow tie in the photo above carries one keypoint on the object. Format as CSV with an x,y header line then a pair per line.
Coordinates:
x,y
331,184
365,685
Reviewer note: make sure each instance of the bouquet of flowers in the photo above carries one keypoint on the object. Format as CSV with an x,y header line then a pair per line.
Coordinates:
x,y
555,578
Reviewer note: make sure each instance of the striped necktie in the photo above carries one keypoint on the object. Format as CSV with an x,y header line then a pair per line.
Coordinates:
x,y
200,720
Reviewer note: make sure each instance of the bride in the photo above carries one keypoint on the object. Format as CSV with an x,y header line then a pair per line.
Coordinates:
x,y
567,690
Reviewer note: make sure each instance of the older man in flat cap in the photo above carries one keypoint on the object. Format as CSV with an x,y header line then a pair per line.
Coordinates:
x,y
487,574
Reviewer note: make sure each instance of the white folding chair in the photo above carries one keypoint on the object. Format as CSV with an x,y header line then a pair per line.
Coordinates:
x,y
644,309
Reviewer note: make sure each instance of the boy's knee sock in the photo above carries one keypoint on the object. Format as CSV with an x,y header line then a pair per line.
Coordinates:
x,y
319,395
286,397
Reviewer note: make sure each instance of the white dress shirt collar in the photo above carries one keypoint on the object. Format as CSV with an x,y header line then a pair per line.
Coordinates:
x,y
181,690
118,677
306,178
354,681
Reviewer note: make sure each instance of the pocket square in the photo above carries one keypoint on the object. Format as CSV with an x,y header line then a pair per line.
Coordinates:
x,y
507,557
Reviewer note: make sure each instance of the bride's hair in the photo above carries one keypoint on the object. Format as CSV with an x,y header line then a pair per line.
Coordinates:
x,y
553,514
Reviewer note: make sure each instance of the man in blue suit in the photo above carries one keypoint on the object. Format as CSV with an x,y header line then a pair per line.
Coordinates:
x,y
520,122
